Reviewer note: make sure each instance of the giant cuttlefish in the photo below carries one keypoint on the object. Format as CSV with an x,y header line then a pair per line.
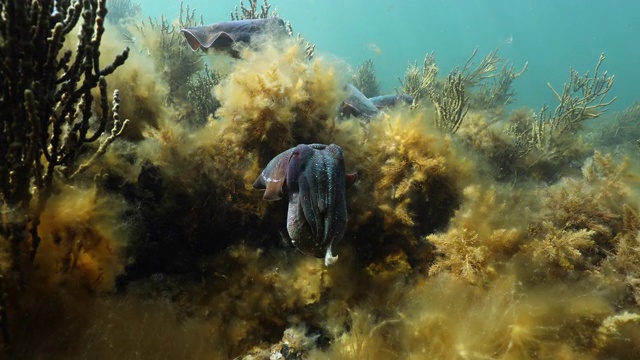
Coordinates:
x,y
222,35
314,178
358,105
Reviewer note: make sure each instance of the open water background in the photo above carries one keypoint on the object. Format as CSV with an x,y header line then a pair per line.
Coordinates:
x,y
551,35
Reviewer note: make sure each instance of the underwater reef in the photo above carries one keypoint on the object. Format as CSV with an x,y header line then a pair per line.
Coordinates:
x,y
130,227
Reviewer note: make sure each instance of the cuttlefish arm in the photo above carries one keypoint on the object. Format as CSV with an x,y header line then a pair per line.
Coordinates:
x,y
222,35
315,185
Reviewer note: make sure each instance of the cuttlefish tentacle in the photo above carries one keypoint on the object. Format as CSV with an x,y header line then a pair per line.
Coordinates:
x,y
328,182
315,181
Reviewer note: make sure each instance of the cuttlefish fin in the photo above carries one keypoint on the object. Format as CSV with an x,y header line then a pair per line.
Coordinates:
x,y
204,37
273,177
193,42
273,191
272,186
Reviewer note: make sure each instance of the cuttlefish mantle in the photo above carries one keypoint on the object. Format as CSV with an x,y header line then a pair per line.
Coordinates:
x,y
314,179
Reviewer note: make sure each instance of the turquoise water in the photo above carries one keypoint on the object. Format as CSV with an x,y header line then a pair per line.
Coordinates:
x,y
551,35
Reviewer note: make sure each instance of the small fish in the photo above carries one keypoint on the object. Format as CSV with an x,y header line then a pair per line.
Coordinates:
x,y
509,40
373,47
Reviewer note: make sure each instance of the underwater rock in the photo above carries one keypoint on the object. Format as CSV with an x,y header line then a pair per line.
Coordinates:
x,y
222,35
315,181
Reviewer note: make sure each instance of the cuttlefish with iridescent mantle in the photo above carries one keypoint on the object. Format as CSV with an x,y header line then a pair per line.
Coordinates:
x,y
314,178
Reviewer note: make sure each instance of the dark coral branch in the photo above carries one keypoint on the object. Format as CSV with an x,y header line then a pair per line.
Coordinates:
x,y
4,324
116,131
43,113
104,107
37,103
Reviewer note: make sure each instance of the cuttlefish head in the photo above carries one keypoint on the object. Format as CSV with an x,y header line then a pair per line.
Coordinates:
x,y
313,178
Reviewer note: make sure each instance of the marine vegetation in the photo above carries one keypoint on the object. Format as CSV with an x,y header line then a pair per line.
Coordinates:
x,y
251,13
200,94
364,79
176,62
50,121
541,146
500,92
451,103
464,237
419,81
582,98
452,96
621,127
187,80
122,11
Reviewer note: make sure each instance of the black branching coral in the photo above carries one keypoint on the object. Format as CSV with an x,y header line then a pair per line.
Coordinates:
x,y
46,107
